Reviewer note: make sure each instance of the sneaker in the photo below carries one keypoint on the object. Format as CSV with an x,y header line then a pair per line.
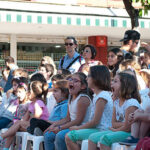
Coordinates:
x,y
129,141
38,132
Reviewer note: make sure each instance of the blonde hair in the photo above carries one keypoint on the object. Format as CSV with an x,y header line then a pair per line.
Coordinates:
x,y
49,61
129,64
145,74
21,71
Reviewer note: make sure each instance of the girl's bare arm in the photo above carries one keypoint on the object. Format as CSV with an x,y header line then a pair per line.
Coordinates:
x,y
100,105
82,107
115,123
38,111
126,125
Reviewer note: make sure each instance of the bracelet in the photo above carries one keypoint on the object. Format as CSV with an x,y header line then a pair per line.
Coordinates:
x,y
59,127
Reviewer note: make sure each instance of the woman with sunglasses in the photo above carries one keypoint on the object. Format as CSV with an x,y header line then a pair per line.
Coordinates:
x,y
72,60
88,53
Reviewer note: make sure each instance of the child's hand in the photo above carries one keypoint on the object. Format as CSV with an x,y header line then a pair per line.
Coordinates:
x,y
9,93
55,130
131,118
137,114
74,128
145,45
48,129
114,97
52,126
112,129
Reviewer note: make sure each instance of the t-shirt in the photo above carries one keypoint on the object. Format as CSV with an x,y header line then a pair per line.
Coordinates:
x,y
121,110
45,113
22,109
106,119
67,60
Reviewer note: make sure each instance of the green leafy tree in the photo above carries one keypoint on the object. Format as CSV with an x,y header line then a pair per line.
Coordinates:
x,y
136,13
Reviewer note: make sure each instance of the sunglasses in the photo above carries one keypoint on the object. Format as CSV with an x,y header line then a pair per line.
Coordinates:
x,y
86,51
70,44
136,42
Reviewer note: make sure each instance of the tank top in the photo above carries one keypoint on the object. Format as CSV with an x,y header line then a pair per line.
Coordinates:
x,y
73,108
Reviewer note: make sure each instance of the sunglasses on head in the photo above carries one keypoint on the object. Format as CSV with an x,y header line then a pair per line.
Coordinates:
x,y
70,44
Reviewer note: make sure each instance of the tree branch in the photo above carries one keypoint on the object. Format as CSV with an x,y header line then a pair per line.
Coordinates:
x,y
133,13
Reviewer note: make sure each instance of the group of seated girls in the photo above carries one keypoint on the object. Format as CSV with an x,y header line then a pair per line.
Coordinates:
x,y
88,107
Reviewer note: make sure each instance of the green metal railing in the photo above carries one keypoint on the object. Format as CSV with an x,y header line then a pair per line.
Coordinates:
x,y
30,61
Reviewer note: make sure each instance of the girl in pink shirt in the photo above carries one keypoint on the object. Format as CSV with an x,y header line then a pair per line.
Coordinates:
x,y
36,109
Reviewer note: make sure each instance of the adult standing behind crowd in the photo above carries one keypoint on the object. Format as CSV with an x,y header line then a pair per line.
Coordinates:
x,y
130,43
10,64
72,60
88,53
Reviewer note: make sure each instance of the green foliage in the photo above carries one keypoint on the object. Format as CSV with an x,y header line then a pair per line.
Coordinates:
x,y
145,4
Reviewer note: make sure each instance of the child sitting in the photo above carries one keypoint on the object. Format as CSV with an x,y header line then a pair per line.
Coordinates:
x,y
101,113
79,107
127,102
36,109
9,105
140,125
22,100
60,92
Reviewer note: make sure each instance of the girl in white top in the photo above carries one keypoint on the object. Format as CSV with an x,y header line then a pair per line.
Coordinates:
x,y
125,87
101,113
78,109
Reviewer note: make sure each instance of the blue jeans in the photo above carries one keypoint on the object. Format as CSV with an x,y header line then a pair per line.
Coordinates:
x,y
59,139
4,122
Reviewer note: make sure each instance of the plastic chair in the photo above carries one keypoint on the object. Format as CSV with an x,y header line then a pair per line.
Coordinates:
x,y
23,136
36,141
4,130
84,145
117,146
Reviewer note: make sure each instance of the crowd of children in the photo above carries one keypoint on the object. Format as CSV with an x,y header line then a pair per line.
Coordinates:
x,y
100,103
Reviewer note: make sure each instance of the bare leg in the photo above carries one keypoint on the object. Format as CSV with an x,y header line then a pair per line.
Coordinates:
x,y
104,147
71,145
12,130
9,141
144,128
135,128
91,145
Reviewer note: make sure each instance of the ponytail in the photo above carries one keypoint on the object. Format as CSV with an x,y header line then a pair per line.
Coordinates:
x,y
45,91
40,89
